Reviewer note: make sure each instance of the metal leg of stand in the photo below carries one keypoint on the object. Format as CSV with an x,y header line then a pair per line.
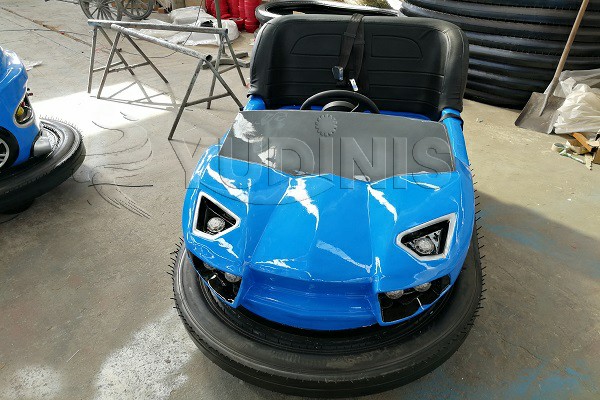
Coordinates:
x,y
225,85
113,50
110,42
184,103
235,59
139,50
92,59
226,60
214,78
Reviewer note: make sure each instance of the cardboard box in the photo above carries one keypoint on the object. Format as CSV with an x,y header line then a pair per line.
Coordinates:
x,y
596,159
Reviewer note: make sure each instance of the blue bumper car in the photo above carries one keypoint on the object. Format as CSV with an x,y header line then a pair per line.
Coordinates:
x,y
35,154
329,239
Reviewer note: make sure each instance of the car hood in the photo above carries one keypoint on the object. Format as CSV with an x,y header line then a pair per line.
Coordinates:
x,y
328,228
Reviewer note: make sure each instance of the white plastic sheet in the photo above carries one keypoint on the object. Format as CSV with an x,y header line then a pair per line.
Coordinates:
x,y
187,15
31,64
192,16
155,32
580,111
196,39
569,79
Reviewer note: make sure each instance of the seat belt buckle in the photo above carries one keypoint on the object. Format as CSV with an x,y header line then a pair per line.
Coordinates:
x,y
338,73
353,84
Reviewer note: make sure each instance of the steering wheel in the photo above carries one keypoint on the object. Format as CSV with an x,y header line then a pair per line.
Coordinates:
x,y
363,101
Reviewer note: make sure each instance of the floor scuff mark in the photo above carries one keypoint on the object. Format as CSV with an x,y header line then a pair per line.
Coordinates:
x,y
109,160
33,382
149,366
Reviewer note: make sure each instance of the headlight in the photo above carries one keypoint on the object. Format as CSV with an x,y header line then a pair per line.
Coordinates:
x,y
400,304
24,112
216,225
429,240
212,219
225,284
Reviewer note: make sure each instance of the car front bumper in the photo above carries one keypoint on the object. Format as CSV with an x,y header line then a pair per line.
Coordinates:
x,y
318,305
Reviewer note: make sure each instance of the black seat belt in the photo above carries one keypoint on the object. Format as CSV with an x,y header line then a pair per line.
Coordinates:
x,y
353,40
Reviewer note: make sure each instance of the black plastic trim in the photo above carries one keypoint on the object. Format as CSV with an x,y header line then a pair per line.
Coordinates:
x,y
216,279
411,301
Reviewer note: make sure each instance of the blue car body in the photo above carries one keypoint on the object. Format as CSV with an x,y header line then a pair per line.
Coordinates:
x,y
313,261
13,94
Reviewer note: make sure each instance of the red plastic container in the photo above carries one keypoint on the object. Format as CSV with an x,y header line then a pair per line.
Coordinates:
x,y
225,14
234,8
241,9
251,23
239,22
212,9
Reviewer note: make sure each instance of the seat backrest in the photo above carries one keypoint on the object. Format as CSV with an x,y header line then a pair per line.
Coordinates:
x,y
414,65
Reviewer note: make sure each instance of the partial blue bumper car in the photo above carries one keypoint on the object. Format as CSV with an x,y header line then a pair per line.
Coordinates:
x,y
35,155
329,240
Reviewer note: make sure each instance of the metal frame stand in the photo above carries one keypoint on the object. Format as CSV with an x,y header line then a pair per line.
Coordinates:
x,y
127,30
226,60
92,70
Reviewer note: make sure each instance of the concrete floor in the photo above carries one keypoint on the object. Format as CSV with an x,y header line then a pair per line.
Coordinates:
x,y
85,308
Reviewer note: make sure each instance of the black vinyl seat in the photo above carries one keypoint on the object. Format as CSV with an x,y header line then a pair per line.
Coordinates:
x,y
413,65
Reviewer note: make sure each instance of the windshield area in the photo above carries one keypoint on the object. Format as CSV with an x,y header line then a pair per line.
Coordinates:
x,y
359,146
